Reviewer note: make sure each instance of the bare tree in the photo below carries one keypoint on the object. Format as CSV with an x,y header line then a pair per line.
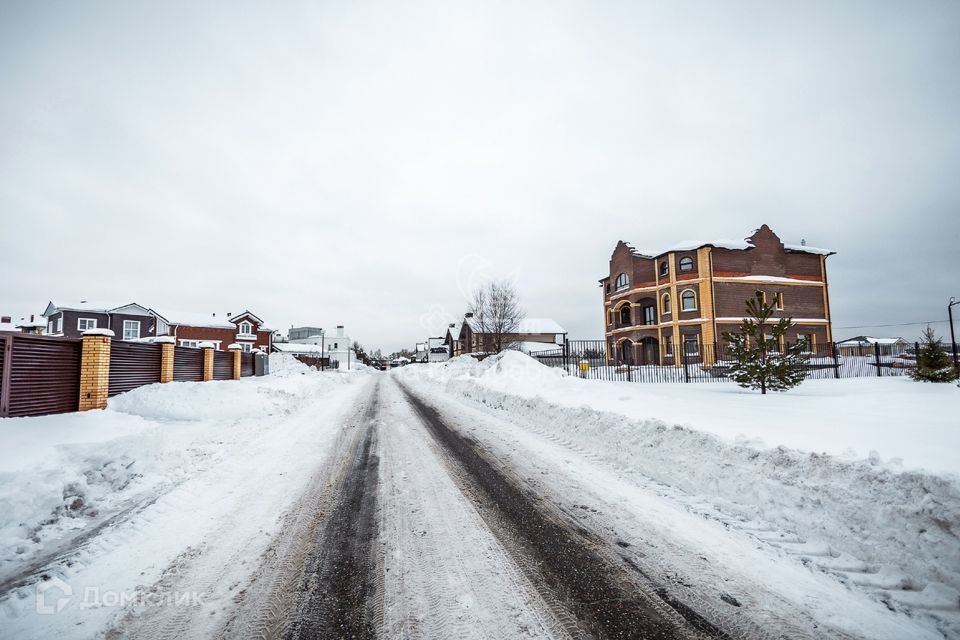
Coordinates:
x,y
496,313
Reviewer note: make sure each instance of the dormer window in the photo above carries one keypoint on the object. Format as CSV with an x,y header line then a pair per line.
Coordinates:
x,y
623,281
246,328
686,264
664,268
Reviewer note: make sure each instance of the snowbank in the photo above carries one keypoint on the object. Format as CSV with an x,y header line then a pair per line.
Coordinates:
x,y
64,474
784,459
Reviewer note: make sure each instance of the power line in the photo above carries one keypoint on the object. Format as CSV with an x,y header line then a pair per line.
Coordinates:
x,y
899,324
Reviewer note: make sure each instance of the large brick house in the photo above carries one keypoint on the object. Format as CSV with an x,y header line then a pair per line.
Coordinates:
x,y
660,305
244,329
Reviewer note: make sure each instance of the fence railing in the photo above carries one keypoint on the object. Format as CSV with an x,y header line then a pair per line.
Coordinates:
x,y
712,362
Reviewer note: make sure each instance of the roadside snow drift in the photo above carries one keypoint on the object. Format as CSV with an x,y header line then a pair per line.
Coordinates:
x,y
810,461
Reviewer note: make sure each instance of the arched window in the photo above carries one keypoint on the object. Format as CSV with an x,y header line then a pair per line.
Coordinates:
x,y
686,264
664,268
665,303
623,281
688,300
625,315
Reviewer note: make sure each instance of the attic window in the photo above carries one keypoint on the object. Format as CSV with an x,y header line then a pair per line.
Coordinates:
x,y
623,281
686,264
664,268
246,328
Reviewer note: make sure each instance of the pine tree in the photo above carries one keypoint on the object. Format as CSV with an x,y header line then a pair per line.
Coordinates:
x,y
933,363
758,363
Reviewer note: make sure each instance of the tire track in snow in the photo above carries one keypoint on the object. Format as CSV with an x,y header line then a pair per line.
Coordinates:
x,y
315,581
605,599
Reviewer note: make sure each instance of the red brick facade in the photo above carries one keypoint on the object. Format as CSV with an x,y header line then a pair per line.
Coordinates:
x,y
222,336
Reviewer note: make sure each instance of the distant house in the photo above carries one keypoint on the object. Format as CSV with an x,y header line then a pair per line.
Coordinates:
x,y
35,327
245,329
543,331
452,339
336,345
864,346
128,322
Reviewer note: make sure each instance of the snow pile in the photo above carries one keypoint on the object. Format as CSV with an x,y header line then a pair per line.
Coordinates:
x,y
904,522
65,474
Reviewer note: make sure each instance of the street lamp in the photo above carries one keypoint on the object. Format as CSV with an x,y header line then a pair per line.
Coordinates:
x,y
953,339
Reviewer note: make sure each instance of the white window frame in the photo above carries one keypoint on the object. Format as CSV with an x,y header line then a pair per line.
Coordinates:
x,y
87,326
131,324
622,282
189,343
246,347
60,324
684,297
248,331
778,300
686,260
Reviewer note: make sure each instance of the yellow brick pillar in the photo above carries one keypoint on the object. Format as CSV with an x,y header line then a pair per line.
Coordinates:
x,y
235,350
207,360
708,337
166,358
95,369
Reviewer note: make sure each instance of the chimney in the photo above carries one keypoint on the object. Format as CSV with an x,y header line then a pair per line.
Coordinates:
x,y
339,330
452,325
468,315
214,315
803,242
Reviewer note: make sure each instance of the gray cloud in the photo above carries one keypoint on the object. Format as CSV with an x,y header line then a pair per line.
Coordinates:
x,y
327,164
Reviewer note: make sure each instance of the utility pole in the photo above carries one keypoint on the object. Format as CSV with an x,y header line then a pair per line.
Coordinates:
x,y
953,338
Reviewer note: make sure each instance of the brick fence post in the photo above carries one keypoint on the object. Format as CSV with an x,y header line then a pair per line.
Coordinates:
x,y
95,369
167,345
235,350
207,360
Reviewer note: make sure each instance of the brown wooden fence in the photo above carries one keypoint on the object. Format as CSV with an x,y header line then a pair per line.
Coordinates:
x,y
246,364
187,364
222,365
132,365
40,375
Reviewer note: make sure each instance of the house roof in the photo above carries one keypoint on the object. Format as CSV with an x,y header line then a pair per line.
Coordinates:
x,y
194,319
870,340
130,308
526,326
293,347
726,243
246,313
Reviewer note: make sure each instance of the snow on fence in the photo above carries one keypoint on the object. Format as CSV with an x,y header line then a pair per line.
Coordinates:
x,y
712,362
41,375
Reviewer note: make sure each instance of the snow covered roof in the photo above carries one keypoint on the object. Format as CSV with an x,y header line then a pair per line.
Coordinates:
x,y
527,325
26,324
726,243
194,319
130,308
454,331
871,340
293,347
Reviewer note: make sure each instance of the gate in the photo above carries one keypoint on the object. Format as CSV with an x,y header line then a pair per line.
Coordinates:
x,y
223,365
187,364
132,365
246,364
40,375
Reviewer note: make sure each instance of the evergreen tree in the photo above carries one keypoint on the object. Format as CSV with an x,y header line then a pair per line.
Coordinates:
x,y
758,363
933,363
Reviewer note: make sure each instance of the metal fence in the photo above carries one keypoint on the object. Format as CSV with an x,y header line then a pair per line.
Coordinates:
x,y
712,362
132,365
38,375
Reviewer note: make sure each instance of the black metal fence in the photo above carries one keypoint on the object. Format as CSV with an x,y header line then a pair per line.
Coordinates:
x,y
712,362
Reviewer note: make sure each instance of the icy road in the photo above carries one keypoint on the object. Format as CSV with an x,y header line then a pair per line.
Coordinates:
x,y
416,515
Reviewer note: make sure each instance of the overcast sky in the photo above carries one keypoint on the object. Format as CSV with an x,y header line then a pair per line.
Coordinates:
x,y
365,164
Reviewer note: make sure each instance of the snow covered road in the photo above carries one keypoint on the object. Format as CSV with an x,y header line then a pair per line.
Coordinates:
x,y
383,505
